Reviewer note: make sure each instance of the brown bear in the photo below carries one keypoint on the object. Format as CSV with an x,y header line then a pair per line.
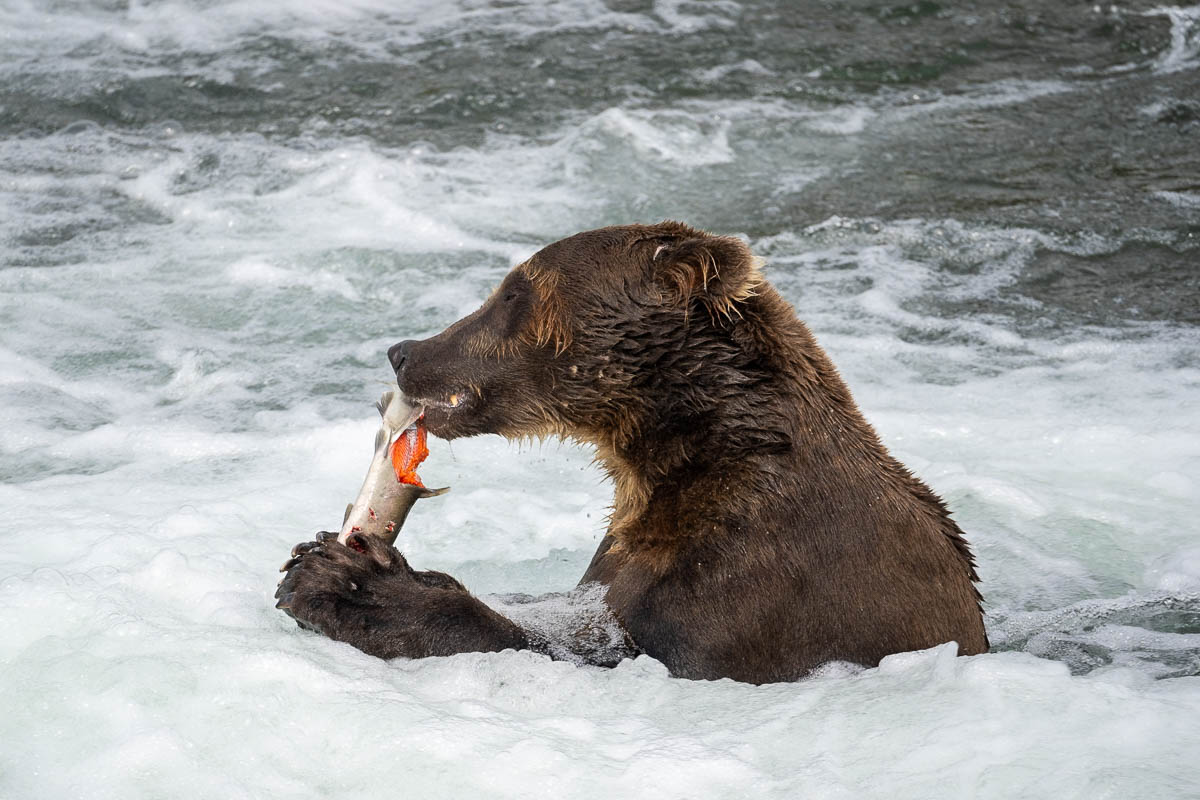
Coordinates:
x,y
759,527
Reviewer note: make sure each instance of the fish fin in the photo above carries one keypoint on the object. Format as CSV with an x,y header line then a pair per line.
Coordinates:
x,y
381,439
384,402
433,492
349,508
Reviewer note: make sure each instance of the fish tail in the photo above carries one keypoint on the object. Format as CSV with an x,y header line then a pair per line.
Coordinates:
x,y
384,402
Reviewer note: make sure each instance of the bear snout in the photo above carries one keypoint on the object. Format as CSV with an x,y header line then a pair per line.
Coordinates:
x,y
398,355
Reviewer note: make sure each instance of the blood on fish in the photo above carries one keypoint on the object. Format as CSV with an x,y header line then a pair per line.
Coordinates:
x,y
408,452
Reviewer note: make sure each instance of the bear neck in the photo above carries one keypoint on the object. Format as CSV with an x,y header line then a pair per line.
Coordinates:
x,y
736,402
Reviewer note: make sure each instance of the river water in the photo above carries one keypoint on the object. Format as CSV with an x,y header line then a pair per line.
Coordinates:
x,y
215,216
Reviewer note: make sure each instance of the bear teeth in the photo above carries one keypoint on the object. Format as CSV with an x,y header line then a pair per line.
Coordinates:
x,y
453,401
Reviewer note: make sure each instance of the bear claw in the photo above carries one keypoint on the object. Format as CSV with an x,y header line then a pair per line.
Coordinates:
x,y
304,548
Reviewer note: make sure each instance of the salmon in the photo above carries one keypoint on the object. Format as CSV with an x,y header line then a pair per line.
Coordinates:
x,y
392,485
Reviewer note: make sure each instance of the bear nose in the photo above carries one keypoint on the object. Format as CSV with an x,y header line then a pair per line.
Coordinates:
x,y
398,354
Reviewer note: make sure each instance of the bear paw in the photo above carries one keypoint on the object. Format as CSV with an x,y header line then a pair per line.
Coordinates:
x,y
365,593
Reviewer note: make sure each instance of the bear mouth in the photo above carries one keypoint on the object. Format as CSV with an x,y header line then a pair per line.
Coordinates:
x,y
451,402
440,411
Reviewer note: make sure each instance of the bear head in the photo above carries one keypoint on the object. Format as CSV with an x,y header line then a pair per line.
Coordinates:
x,y
598,338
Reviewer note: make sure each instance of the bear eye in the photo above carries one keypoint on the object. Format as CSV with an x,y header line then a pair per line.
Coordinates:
x,y
509,296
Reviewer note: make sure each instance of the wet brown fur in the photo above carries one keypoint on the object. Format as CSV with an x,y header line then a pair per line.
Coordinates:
x,y
759,527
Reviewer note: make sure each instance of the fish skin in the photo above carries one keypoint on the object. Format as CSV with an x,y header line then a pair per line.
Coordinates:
x,y
383,502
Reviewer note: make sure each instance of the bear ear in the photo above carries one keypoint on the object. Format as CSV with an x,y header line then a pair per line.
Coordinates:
x,y
720,271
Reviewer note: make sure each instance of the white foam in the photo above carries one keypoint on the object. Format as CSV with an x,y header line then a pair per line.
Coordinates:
x,y
1177,573
1180,199
662,136
841,121
681,15
1184,50
370,29
259,273
746,65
